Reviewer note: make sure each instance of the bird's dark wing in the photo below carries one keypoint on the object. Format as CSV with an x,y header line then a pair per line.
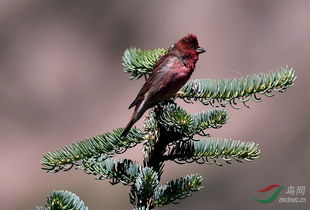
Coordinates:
x,y
161,62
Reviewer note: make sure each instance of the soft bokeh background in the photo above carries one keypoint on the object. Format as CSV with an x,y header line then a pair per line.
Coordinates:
x,y
61,81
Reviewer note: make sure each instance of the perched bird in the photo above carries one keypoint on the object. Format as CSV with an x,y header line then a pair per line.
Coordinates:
x,y
169,74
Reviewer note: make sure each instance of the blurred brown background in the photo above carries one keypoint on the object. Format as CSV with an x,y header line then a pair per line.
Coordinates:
x,y
61,81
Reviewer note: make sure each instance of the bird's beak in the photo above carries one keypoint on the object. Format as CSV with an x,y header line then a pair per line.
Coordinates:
x,y
200,50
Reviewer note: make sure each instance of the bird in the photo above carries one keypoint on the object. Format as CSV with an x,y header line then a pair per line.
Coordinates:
x,y
170,72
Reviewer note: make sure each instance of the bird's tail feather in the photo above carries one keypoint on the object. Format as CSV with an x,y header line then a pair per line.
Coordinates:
x,y
129,126
139,111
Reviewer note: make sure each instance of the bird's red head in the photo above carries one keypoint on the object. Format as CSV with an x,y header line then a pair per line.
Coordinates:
x,y
189,44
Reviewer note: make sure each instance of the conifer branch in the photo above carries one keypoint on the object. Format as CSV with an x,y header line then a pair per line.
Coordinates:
x,y
63,200
178,189
210,149
123,170
226,91
140,62
150,125
176,120
214,118
99,147
142,208
143,189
